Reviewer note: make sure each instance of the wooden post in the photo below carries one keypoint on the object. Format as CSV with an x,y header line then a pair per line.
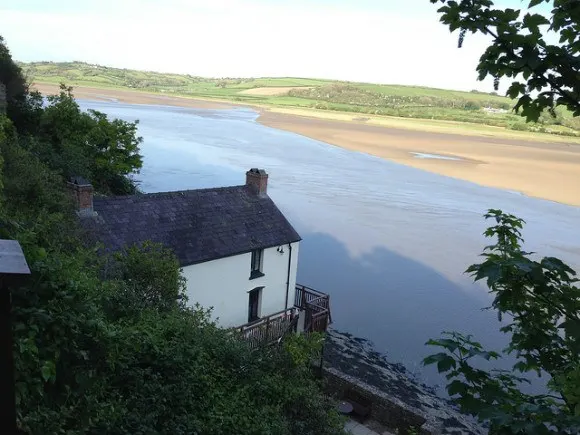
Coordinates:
x,y
8,409
12,267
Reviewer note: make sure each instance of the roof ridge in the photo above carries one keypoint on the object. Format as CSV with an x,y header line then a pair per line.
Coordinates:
x,y
197,224
150,194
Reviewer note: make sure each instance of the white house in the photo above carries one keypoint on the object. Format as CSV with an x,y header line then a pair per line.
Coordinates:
x,y
238,252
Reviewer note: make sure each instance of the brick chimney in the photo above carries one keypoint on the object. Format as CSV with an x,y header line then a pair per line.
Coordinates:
x,y
257,180
82,192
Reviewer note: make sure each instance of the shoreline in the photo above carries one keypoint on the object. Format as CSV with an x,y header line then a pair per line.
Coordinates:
x,y
549,171
133,97
545,170
356,361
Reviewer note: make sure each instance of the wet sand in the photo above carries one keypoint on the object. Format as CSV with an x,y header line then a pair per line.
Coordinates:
x,y
132,97
543,170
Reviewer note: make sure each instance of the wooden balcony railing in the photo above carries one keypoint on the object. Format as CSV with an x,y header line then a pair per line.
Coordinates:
x,y
270,329
312,304
316,307
305,294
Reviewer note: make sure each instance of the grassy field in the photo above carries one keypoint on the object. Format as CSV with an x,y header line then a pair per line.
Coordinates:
x,y
368,100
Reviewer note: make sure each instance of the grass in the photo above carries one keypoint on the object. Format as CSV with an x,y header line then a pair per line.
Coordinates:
x,y
416,106
419,91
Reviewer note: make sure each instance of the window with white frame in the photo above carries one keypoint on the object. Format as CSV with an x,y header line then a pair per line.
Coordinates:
x,y
257,264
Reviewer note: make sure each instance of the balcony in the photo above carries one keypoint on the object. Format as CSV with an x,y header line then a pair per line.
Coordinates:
x,y
311,313
315,306
268,330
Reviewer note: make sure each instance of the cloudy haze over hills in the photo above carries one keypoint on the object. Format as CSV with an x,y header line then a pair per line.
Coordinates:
x,y
361,40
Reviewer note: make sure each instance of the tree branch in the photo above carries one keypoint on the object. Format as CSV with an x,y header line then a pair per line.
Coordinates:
x,y
562,92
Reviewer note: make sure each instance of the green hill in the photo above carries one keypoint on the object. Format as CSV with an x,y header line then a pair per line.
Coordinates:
x,y
389,100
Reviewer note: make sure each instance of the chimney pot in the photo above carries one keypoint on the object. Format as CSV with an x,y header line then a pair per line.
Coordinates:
x,y
82,192
257,180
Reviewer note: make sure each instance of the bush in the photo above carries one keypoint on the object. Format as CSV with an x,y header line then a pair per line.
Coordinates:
x,y
88,144
105,344
519,126
471,105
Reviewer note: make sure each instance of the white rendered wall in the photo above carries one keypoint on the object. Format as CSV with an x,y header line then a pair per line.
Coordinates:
x,y
224,284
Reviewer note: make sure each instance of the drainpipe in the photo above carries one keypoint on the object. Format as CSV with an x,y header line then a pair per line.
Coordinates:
x,y
288,277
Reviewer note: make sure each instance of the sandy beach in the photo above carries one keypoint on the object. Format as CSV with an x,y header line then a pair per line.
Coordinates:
x,y
543,170
132,97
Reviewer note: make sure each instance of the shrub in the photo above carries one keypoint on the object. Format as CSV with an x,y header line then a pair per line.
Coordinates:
x,y
540,301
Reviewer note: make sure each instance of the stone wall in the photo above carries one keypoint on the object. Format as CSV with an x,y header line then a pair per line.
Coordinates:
x,y
383,410
399,400
2,98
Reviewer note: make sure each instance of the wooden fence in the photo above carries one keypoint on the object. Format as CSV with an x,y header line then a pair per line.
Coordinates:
x,y
270,329
316,307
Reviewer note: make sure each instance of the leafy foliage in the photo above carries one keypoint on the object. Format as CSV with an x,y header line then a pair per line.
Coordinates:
x,y
17,96
540,298
68,140
152,279
73,142
542,302
105,343
521,48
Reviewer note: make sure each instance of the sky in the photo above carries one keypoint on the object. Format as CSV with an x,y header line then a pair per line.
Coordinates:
x,y
380,41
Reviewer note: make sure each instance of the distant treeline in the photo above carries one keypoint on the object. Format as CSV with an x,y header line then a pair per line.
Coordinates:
x,y
490,111
353,95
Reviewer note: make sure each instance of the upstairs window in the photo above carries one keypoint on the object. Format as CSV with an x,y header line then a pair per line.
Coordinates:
x,y
257,263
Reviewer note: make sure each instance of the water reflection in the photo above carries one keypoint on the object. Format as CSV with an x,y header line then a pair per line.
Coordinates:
x,y
397,301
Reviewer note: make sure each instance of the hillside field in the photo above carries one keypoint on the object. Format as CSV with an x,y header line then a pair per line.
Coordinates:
x,y
412,102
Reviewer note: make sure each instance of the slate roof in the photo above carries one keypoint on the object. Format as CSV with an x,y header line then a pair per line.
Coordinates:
x,y
199,225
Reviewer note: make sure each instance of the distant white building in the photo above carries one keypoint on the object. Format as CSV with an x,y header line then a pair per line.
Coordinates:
x,y
494,110
238,252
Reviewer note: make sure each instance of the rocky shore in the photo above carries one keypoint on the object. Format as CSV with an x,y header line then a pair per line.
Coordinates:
x,y
357,361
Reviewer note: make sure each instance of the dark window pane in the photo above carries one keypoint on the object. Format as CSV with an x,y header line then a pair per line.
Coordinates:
x,y
257,260
254,304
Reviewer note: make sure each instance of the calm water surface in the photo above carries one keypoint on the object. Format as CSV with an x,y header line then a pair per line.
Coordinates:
x,y
388,242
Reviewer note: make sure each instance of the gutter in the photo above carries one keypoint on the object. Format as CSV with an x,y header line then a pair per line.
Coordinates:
x,y
288,276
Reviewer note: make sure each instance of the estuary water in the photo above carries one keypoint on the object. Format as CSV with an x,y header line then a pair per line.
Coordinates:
x,y
388,242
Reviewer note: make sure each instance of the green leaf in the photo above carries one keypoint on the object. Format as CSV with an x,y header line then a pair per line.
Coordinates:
x,y
435,358
447,343
532,21
516,89
48,371
511,14
457,387
446,363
